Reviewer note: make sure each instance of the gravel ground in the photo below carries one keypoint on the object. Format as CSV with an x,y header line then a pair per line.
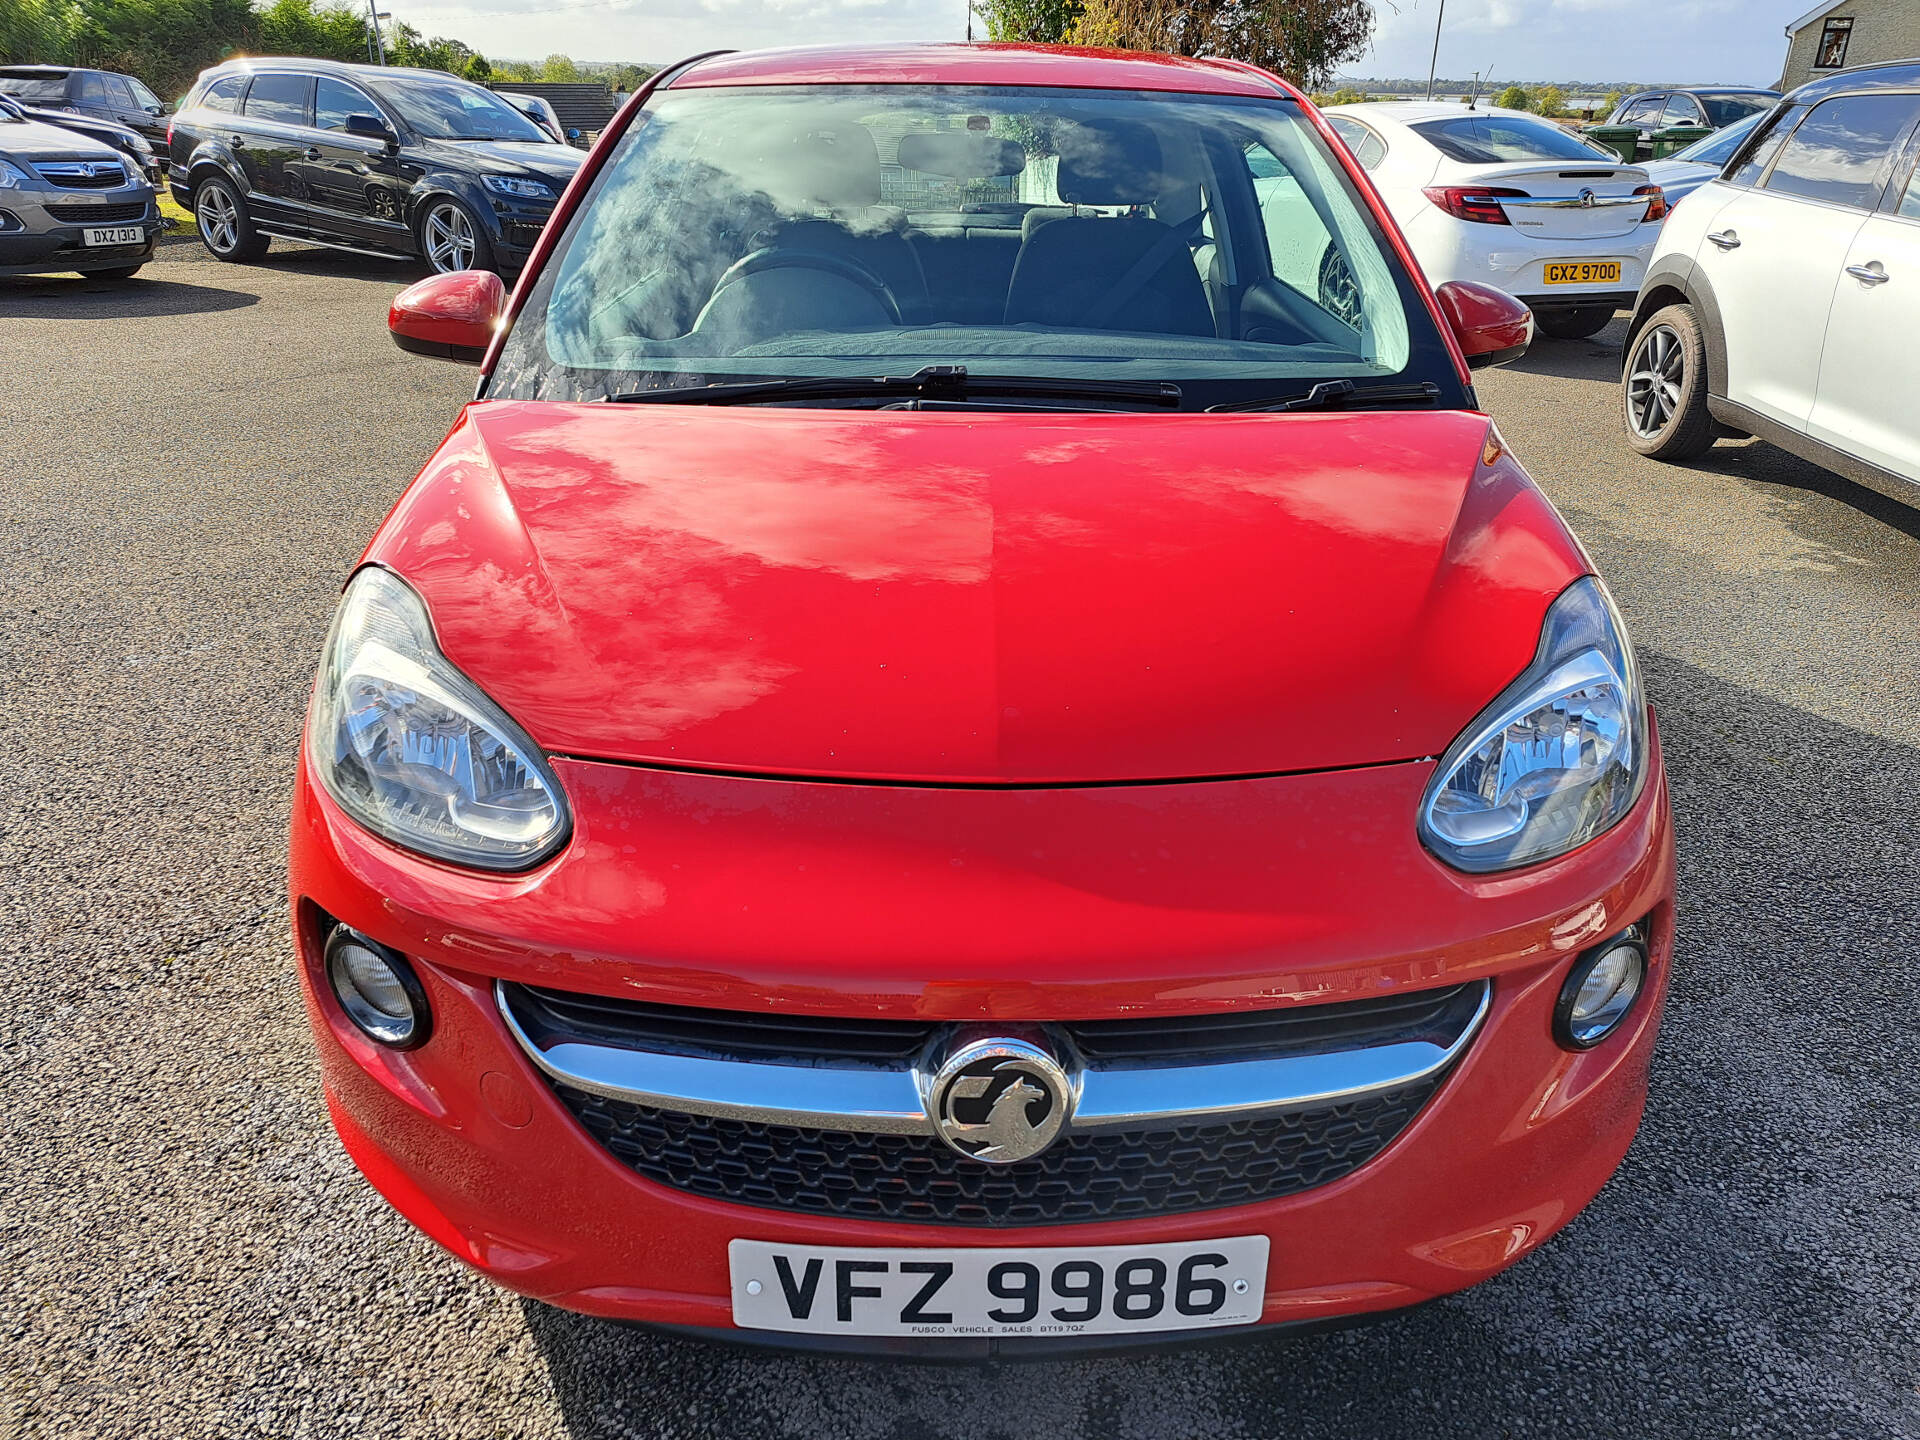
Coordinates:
x,y
192,461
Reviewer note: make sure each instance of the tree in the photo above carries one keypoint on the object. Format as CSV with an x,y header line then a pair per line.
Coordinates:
x,y
1304,40
477,70
1614,97
1551,100
1514,97
559,70
1029,22
1347,95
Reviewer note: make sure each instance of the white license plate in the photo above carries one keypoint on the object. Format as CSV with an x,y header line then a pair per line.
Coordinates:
x,y
112,235
1066,1290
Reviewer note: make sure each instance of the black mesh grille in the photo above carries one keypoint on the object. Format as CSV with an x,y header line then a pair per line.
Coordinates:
x,y
1093,1176
96,214
72,177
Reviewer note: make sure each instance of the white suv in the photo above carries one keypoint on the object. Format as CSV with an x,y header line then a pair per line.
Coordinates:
x,y
1783,299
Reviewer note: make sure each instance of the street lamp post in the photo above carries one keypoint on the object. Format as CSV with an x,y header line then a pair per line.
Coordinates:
x,y
379,43
1434,63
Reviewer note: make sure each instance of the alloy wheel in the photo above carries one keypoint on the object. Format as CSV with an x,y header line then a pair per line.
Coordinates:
x,y
1653,381
219,219
449,237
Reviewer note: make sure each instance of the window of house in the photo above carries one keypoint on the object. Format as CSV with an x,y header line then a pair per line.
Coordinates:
x,y
1832,54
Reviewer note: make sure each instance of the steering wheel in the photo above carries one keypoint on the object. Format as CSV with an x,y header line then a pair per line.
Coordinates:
x,y
785,257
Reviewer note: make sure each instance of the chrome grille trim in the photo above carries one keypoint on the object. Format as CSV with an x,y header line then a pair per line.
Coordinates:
x,y
886,1100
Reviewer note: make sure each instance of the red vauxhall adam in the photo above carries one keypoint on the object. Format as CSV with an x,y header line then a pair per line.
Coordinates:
x,y
973,744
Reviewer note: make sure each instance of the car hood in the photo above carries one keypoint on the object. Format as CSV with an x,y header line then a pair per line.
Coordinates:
x,y
963,597
34,140
517,157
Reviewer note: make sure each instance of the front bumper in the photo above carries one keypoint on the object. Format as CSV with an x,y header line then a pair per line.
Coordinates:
x,y
982,905
35,242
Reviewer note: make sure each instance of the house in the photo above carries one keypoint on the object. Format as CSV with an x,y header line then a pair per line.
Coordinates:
x,y
585,107
1856,32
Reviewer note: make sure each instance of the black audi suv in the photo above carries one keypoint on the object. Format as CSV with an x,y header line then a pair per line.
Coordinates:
x,y
362,157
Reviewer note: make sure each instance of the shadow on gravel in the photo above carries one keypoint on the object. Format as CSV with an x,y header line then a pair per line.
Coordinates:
x,y
1750,1269
343,264
78,298
1766,464
1594,359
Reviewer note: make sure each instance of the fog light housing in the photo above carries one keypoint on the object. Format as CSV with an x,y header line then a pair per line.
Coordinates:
x,y
377,990
1600,991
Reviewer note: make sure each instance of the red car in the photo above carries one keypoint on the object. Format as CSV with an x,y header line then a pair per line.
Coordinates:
x,y
973,744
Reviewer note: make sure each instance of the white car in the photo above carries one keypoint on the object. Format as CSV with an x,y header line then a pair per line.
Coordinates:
x,y
1510,200
1784,297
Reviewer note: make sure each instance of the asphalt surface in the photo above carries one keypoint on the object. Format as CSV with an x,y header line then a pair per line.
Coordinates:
x,y
188,465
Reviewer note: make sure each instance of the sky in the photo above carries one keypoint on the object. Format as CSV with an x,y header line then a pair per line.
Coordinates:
x,y
1727,41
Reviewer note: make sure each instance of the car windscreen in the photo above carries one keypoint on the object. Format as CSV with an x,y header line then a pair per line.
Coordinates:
x,y
35,89
847,230
1502,139
1718,148
453,110
1725,109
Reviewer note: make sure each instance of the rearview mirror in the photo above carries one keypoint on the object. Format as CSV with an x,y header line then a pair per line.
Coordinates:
x,y
450,317
1491,326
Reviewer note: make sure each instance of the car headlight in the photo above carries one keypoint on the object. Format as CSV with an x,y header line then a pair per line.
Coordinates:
x,y
1557,759
515,185
414,750
11,177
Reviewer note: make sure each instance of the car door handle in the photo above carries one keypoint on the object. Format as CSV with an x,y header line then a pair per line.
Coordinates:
x,y
312,152
236,142
1872,273
1726,240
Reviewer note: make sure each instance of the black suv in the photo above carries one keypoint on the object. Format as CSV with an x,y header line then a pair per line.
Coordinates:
x,y
364,157
101,94
1711,109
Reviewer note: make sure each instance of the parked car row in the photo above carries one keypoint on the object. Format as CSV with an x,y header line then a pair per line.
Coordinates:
x,y
68,202
91,94
1783,297
381,160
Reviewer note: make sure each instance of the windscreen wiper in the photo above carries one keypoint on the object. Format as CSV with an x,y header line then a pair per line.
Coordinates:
x,y
934,382
1340,395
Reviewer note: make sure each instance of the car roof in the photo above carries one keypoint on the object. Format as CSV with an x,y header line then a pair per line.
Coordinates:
x,y
949,64
1888,75
324,67
1412,112
38,69
1699,90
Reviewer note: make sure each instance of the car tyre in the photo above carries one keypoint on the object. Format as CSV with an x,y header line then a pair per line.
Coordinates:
x,y
1663,390
451,238
1575,324
221,217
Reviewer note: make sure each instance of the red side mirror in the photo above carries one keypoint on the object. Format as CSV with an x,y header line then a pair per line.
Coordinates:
x,y
451,317
1491,326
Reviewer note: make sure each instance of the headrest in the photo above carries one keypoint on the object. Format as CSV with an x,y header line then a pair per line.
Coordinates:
x,y
961,154
810,164
1113,162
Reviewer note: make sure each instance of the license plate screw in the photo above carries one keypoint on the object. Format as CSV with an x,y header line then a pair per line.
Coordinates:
x,y
753,1287
1239,1287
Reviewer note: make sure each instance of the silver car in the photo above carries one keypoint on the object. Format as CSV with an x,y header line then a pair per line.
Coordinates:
x,y
1685,171
70,203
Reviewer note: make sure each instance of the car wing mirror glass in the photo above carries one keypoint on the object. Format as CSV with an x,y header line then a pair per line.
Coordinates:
x,y
450,317
1491,326
370,127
